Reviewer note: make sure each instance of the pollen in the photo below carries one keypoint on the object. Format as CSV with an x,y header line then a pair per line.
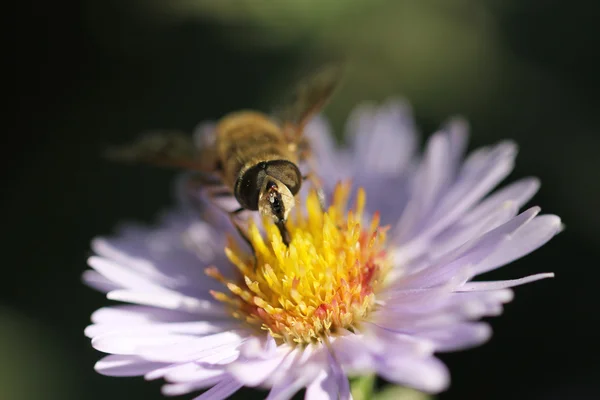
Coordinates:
x,y
325,280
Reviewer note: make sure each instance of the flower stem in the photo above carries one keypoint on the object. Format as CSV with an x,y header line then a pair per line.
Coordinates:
x,y
362,387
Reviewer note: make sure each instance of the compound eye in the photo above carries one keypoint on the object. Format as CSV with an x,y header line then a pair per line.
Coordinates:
x,y
247,187
285,172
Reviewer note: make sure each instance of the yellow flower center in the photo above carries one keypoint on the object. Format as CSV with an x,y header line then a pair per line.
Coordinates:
x,y
324,280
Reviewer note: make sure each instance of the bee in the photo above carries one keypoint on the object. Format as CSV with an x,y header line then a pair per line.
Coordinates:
x,y
253,157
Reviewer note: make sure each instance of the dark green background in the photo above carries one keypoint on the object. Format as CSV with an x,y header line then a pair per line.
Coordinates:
x,y
91,73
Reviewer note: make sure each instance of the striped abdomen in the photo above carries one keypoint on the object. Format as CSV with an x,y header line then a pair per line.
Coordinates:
x,y
245,139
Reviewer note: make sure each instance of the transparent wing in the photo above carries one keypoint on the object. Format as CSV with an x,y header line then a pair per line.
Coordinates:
x,y
165,148
309,97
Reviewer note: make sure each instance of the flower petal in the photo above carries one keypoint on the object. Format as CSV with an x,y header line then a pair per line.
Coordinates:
x,y
221,390
468,255
517,193
379,341
429,181
125,365
428,374
526,239
322,388
130,344
323,148
460,234
472,185
177,389
190,328
458,134
340,379
97,281
222,387
459,336
167,299
495,285
286,388
138,315
253,372
193,348
192,372
383,139
353,354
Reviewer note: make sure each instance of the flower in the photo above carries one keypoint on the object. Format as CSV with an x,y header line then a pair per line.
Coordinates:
x,y
378,286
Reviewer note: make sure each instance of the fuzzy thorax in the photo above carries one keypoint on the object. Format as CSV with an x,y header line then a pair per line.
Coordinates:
x,y
324,281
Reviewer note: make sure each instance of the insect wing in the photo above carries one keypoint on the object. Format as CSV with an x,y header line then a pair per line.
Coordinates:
x,y
309,97
169,149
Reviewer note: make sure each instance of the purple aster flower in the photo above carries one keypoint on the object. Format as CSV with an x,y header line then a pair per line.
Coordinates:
x,y
367,286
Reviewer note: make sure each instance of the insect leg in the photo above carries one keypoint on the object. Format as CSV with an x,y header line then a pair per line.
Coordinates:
x,y
221,192
216,191
306,156
233,217
316,182
218,195
209,184
242,231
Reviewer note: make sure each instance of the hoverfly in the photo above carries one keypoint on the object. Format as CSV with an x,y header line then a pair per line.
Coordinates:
x,y
254,156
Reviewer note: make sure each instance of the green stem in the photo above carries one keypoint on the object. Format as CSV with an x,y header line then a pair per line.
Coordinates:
x,y
362,387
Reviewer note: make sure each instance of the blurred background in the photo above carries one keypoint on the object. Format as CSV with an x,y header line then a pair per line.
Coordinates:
x,y
92,73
